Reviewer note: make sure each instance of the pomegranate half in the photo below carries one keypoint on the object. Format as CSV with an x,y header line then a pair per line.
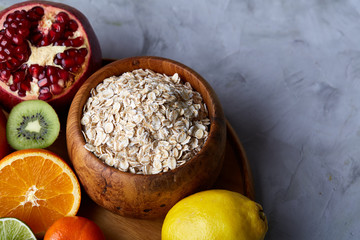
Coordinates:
x,y
47,50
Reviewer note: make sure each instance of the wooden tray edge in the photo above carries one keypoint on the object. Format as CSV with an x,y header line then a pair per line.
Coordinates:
x,y
249,189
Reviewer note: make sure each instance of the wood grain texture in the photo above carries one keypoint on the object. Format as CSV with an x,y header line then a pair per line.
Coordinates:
x,y
235,176
146,196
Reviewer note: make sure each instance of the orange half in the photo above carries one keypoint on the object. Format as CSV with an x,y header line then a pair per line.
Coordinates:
x,y
37,187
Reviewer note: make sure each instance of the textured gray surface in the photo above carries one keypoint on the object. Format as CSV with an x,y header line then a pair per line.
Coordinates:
x,y
288,76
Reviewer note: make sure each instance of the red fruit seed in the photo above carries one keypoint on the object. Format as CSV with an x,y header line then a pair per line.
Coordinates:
x,y
56,89
44,90
62,17
38,10
43,82
45,96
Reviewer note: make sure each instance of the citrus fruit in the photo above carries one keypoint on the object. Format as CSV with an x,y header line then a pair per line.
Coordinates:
x,y
37,187
14,229
74,227
215,214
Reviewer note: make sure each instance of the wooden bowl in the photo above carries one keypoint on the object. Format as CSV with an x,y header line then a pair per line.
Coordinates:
x,y
146,196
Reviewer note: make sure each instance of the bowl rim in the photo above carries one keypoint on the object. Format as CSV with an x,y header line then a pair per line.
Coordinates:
x,y
216,110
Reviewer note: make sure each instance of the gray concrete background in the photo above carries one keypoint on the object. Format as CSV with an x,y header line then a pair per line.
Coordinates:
x,y
288,76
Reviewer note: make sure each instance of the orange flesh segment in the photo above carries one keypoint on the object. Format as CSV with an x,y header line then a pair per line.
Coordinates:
x,y
36,190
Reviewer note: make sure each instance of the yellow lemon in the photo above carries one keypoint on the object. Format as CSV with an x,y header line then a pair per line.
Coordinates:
x,y
215,214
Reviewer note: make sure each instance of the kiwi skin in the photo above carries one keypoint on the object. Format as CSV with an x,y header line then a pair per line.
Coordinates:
x,y
32,124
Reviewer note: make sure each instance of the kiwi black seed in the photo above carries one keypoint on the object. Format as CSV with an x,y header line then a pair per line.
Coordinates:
x,y
32,124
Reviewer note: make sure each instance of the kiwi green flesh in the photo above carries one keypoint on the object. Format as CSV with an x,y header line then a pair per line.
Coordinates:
x,y
32,124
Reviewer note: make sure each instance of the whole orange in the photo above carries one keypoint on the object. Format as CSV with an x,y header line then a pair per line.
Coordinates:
x,y
74,227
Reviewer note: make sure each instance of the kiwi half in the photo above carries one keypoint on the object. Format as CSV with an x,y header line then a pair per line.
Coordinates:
x,y
32,124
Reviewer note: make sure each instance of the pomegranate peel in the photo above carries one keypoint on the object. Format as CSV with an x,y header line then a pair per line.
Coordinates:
x,y
47,50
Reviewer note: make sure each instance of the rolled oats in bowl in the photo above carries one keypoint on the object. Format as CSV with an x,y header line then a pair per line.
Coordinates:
x,y
144,122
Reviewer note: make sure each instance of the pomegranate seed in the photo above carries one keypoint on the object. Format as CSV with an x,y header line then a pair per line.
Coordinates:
x,y
23,31
83,51
18,85
54,79
9,65
73,26
10,17
15,63
45,96
24,67
4,42
35,38
58,27
34,25
6,24
53,36
2,56
77,42
7,51
13,25
18,76
62,17
61,55
63,74
74,69
21,57
56,89
50,70
19,16
9,32
32,69
44,41
21,49
42,75
25,86
43,82
59,43
79,60
38,10
71,52
67,62
24,23
21,93
57,61
5,75
32,16
18,40
13,87
68,34
68,43
12,64
35,70
44,90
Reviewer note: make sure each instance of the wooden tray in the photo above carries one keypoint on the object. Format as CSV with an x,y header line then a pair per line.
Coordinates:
x,y
235,176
